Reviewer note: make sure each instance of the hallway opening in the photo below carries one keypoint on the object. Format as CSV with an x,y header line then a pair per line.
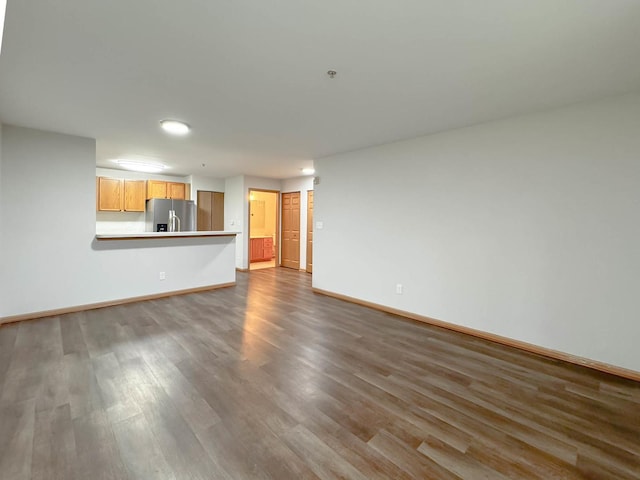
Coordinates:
x,y
263,229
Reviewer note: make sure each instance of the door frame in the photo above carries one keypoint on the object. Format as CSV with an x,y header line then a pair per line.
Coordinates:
x,y
299,192
277,237
309,230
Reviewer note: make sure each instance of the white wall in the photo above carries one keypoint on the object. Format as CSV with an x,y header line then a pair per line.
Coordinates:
x,y
50,258
528,228
1,222
302,185
131,175
199,182
120,222
234,200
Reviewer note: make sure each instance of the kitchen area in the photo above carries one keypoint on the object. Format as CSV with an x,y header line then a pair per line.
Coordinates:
x,y
133,202
104,255
144,214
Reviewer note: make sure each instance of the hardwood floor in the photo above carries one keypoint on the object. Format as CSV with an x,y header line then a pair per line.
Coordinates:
x,y
266,380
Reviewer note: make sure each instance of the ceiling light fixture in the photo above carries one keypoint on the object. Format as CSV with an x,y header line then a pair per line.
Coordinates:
x,y
140,166
308,171
175,127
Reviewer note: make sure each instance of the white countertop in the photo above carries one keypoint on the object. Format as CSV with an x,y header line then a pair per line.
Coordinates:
x,y
152,235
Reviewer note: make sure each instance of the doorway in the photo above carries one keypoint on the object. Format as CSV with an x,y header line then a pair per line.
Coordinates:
x,y
291,230
263,229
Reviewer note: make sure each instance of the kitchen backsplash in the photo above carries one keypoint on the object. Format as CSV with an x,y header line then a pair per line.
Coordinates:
x,y
119,222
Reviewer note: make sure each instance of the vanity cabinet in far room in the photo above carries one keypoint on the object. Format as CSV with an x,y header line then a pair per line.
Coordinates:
x,y
261,249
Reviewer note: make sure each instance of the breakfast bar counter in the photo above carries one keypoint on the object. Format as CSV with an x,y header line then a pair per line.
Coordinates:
x,y
156,235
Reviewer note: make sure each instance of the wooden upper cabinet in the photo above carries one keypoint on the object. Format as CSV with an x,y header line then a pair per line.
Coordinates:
x,y
156,189
162,189
177,191
110,194
134,198
117,195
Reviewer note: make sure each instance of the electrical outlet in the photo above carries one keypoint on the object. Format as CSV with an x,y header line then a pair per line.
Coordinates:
x,y
319,225
399,288
163,276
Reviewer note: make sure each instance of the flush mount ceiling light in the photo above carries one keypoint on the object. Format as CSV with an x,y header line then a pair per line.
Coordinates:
x,y
175,127
308,171
137,166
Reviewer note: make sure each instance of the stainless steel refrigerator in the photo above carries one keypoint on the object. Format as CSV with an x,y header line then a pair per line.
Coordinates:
x,y
157,214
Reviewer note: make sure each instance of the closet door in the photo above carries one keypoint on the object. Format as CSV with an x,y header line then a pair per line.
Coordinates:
x,y
217,211
210,210
204,210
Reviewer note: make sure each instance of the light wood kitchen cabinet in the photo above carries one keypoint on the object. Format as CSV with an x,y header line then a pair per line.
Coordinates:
x,y
118,195
156,189
162,189
110,194
134,198
177,191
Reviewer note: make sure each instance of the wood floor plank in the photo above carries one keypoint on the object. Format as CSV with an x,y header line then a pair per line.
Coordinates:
x,y
177,440
17,426
325,462
409,459
37,344
8,335
97,452
266,380
140,452
71,332
83,390
54,445
465,466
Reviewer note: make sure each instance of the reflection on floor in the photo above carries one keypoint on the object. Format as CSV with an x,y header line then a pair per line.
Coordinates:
x,y
258,265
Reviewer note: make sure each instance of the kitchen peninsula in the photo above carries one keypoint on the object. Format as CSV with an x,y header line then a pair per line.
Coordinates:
x,y
167,263
156,235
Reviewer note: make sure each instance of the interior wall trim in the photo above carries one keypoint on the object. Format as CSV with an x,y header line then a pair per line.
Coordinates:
x,y
109,303
527,347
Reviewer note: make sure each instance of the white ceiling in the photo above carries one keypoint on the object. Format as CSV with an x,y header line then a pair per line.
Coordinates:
x,y
250,75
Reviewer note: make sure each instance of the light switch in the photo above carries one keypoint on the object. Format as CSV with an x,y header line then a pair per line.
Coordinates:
x,y
319,225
